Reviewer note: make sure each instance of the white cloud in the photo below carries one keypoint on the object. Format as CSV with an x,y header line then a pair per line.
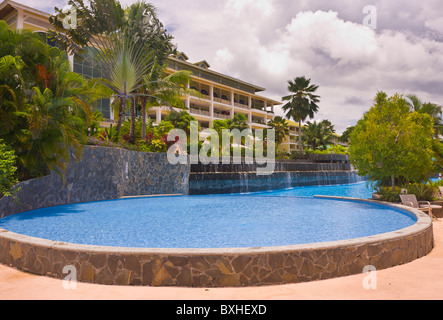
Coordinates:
x,y
435,24
256,8
344,58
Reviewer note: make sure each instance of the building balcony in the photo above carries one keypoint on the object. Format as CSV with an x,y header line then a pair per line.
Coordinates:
x,y
259,110
199,112
222,101
222,116
240,105
259,121
203,97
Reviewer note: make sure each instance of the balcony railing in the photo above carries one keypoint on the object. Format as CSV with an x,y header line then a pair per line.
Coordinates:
x,y
259,121
201,112
202,96
259,108
222,116
244,106
223,101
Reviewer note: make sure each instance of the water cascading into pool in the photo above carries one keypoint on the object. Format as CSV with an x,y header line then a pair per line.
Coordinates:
x,y
243,177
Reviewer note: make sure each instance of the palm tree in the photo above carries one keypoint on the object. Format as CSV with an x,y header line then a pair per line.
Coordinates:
x,y
239,121
317,135
434,110
124,62
44,107
302,103
128,43
281,127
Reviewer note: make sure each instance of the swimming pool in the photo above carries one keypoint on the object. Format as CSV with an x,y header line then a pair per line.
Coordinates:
x,y
361,190
270,219
270,238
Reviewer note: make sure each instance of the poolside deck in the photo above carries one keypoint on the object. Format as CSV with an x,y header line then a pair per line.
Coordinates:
x,y
418,280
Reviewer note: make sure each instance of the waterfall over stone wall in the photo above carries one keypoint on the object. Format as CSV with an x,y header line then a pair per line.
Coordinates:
x,y
243,178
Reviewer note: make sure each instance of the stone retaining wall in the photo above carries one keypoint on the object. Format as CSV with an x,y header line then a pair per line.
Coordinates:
x,y
101,174
218,268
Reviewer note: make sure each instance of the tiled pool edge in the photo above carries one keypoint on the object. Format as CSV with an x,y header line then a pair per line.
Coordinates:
x,y
233,267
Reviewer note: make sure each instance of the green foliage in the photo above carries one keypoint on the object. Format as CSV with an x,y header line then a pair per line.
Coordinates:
x,y
110,134
390,142
44,108
318,136
339,149
432,109
423,191
346,136
180,120
281,127
156,140
7,171
94,125
389,195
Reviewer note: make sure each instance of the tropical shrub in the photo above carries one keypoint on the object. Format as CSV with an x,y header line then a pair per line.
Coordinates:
x,y
7,170
157,138
388,194
423,191
44,110
94,128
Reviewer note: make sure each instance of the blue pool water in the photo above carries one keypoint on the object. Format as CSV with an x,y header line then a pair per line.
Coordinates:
x,y
360,190
278,218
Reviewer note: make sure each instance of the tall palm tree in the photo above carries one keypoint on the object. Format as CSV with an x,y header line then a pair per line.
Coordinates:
x,y
302,103
281,127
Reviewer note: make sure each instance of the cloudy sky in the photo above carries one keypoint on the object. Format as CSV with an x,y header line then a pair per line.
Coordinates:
x,y
268,42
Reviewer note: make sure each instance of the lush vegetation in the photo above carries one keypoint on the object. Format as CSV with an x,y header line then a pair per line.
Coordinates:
x,y
281,128
318,136
130,50
424,191
44,107
8,168
395,144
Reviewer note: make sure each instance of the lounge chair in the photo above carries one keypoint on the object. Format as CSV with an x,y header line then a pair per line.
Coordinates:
x,y
410,200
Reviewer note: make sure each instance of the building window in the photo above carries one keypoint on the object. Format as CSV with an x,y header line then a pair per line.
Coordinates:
x,y
85,67
50,42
